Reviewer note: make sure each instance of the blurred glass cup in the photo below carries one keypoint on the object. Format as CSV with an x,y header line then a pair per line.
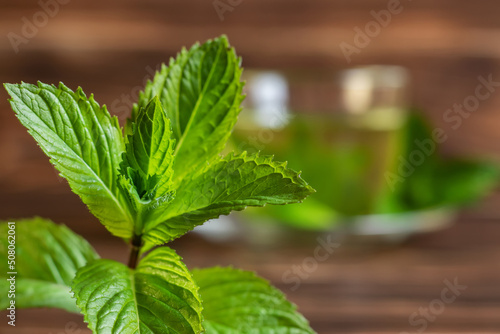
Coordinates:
x,y
378,93
372,111
343,153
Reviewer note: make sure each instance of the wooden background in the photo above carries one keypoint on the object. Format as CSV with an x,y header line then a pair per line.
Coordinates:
x,y
109,48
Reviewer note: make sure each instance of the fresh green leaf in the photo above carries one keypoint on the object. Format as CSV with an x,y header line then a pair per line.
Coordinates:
x,y
147,163
47,258
201,92
236,301
232,183
158,297
83,142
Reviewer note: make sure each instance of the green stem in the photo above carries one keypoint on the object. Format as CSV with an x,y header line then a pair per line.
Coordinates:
x,y
134,252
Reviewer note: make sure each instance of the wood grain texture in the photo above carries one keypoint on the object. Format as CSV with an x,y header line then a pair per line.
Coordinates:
x,y
110,47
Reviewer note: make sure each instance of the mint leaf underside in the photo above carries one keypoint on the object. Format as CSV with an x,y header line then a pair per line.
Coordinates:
x,y
83,142
236,301
47,258
158,297
201,91
232,183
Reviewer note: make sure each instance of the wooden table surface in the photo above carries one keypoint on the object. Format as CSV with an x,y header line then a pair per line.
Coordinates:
x,y
108,47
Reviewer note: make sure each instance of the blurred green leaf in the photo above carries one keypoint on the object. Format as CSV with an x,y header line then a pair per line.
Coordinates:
x,y
308,215
47,258
437,181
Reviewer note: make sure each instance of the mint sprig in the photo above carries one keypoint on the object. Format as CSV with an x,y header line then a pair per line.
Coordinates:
x,y
149,184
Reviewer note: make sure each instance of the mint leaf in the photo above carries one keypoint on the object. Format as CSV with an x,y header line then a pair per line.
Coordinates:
x,y
232,183
47,258
201,92
156,184
236,301
83,142
158,297
147,164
